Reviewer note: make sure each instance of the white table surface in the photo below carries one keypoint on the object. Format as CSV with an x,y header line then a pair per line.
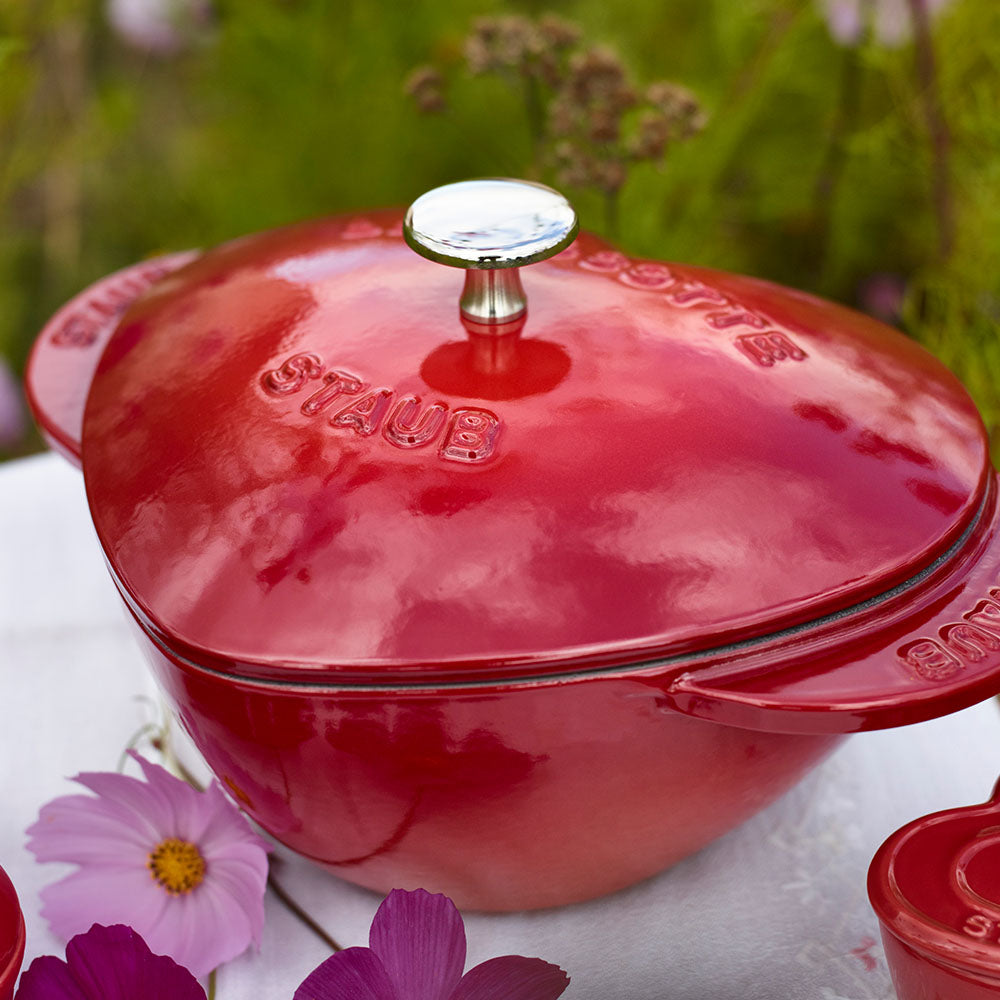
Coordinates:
x,y
776,910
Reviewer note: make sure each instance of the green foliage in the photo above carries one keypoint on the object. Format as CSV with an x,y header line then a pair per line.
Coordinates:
x,y
815,168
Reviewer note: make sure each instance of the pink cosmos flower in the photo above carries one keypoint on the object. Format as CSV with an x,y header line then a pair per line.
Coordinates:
x,y
180,866
108,963
882,296
417,952
891,20
162,27
12,420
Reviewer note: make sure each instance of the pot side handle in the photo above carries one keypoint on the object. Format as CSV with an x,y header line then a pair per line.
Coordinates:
x,y
64,357
870,673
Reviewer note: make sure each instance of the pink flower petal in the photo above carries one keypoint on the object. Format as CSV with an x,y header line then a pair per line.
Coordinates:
x,y
205,818
204,928
513,978
420,939
84,830
180,803
132,797
893,22
241,886
221,823
215,820
351,974
12,419
159,27
844,20
103,896
193,932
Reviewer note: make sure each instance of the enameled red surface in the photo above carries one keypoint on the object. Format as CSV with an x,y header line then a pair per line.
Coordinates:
x,y
918,977
504,799
925,650
65,355
11,937
438,605
935,885
296,457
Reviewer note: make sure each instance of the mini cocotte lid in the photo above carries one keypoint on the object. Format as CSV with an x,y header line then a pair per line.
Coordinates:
x,y
312,457
935,885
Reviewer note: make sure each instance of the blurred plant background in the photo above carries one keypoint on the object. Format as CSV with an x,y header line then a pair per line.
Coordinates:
x,y
847,147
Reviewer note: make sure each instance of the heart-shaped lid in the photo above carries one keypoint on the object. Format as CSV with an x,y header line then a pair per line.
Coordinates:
x,y
311,455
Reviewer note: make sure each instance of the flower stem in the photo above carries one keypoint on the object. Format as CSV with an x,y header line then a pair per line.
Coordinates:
x,y
611,213
844,124
536,121
184,774
211,985
275,886
937,126
134,740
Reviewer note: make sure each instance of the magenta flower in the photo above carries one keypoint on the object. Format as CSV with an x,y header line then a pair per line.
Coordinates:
x,y
181,866
417,952
108,963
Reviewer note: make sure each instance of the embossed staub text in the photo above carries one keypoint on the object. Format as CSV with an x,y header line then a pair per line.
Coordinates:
x,y
347,402
764,345
97,310
957,644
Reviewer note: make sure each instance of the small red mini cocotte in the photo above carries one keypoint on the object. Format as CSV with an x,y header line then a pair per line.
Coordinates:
x,y
935,886
11,937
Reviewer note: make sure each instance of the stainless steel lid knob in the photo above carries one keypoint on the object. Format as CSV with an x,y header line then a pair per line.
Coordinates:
x,y
490,227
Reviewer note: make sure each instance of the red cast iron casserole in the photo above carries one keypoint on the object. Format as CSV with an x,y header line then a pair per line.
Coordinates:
x,y
521,606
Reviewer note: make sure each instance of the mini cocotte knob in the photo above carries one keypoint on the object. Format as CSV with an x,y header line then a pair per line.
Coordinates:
x,y
490,227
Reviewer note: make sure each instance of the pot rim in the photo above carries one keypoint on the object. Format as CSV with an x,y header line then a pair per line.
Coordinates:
x,y
883,621
945,959
289,675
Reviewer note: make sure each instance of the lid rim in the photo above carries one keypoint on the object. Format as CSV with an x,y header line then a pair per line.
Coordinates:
x,y
986,966
936,575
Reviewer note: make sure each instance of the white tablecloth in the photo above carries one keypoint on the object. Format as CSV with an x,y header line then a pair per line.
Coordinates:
x,y
776,910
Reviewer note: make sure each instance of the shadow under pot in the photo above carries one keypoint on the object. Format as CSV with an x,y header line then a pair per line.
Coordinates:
x,y
525,590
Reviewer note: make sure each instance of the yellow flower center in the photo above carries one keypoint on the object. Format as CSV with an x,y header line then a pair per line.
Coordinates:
x,y
176,866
